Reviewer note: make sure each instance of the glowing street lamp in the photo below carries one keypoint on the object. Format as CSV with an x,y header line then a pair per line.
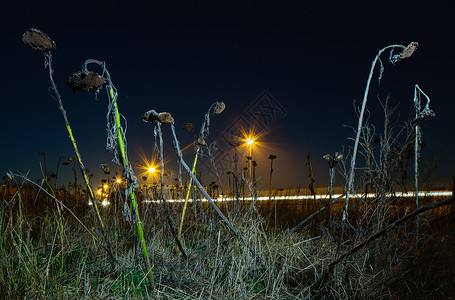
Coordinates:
x,y
151,169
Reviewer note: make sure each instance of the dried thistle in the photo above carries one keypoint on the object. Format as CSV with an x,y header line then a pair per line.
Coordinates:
x,y
85,82
151,116
220,106
188,126
38,40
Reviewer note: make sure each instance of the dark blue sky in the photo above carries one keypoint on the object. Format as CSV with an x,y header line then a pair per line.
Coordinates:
x,y
313,60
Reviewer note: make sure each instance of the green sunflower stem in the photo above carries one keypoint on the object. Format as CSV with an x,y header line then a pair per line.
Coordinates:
x,y
188,193
131,193
48,60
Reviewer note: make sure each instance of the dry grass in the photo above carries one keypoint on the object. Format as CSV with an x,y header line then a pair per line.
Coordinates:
x,y
219,266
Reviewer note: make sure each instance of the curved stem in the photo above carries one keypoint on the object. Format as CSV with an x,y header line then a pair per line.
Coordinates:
x,y
48,59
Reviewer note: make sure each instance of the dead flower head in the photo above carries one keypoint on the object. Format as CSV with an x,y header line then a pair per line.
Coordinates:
x,y
38,40
409,50
105,169
151,116
234,144
188,126
201,142
219,107
85,82
406,53
68,161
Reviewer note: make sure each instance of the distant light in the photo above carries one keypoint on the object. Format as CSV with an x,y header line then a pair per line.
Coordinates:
x,y
99,192
105,186
250,141
105,203
152,169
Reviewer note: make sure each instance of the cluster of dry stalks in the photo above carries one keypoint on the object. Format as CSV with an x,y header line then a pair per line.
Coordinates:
x,y
51,247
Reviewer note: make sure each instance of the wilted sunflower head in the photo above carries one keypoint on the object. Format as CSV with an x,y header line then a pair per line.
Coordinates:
x,y
37,40
85,82
151,116
406,53
68,161
234,144
105,169
219,107
188,126
410,49
201,142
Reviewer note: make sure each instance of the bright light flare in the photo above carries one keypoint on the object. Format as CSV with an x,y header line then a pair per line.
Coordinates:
x,y
148,168
119,180
250,141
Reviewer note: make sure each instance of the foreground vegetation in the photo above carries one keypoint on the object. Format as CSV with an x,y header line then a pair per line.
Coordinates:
x,y
48,254
53,245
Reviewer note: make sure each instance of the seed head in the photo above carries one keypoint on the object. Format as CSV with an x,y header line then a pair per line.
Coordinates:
x,y
85,82
201,142
406,53
37,40
151,116
105,169
219,107
188,126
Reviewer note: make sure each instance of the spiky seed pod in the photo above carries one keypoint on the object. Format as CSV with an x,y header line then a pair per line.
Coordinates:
x,y
37,40
85,82
201,142
105,169
151,116
188,126
219,107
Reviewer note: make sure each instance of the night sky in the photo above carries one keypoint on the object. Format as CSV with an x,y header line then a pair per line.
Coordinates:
x,y
301,66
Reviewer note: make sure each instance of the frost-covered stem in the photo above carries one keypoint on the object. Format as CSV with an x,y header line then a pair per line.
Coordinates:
x,y
131,179
48,62
357,139
203,133
418,114
359,129
206,195
163,195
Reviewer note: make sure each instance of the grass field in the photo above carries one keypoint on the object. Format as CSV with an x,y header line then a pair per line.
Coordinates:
x,y
47,254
